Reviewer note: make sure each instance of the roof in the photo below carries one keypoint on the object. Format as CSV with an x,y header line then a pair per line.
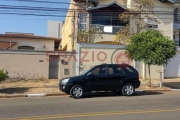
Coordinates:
x,y
172,1
110,4
94,1
28,36
6,45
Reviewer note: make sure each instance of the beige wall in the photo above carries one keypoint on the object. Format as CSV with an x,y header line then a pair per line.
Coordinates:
x,y
25,66
68,26
166,20
154,71
34,65
36,43
95,56
106,37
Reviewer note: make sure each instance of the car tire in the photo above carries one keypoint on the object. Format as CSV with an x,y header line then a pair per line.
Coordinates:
x,y
128,89
77,91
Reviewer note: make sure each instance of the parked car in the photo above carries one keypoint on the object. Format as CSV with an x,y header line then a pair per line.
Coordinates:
x,y
119,78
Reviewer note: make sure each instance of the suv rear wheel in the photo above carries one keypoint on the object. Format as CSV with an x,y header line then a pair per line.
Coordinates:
x,y
128,89
77,91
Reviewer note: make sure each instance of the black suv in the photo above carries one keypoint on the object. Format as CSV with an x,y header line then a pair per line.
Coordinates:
x,y
119,78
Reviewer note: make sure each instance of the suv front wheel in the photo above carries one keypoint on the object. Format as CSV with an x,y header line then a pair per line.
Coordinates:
x,y
128,89
77,91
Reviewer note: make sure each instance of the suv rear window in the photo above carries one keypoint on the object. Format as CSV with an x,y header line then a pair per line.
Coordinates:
x,y
129,69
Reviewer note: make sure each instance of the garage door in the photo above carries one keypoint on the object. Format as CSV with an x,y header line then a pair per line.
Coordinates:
x,y
172,70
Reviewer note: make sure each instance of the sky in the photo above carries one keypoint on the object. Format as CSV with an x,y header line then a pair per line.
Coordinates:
x,y
29,24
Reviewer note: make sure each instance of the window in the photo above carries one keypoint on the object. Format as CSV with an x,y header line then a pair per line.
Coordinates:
x,y
96,71
66,71
25,48
152,26
99,71
103,71
82,21
115,70
103,19
151,23
176,15
128,69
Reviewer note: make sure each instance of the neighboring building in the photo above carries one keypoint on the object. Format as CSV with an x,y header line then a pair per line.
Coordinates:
x,y
26,56
55,29
100,13
105,14
27,41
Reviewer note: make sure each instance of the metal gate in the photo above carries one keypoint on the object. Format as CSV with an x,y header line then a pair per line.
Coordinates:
x,y
53,66
138,66
172,70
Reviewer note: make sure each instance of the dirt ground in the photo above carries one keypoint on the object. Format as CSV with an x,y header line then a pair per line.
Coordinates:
x,y
30,86
51,86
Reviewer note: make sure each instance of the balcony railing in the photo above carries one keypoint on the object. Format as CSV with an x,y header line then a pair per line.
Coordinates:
x,y
115,29
177,18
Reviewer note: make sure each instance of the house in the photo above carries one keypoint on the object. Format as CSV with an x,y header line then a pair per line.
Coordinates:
x,y
104,14
26,56
28,41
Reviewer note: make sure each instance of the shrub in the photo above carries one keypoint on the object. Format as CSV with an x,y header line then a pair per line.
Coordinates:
x,y
3,75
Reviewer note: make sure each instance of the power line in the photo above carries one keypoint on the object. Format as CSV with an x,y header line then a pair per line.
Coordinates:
x,y
41,1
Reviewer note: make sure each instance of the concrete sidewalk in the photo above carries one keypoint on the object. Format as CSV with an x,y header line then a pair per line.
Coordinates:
x,y
51,89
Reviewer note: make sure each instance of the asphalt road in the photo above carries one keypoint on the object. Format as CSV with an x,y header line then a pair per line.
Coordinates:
x,y
146,106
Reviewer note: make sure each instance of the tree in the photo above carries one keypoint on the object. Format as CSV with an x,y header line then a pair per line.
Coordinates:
x,y
152,48
136,18
90,35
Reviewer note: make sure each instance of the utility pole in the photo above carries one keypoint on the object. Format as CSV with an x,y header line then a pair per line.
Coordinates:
x,y
179,38
86,4
73,35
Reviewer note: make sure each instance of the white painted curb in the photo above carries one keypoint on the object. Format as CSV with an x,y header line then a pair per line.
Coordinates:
x,y
175,89
36,95
139,90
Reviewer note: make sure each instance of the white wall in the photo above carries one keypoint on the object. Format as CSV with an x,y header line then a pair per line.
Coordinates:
x,y
55,29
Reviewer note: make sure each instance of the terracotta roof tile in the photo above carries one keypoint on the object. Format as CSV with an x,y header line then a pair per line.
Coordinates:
x,y
6,45
28,36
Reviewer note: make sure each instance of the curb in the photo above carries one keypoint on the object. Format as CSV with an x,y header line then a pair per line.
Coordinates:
x,y
12,96
153,90
63,94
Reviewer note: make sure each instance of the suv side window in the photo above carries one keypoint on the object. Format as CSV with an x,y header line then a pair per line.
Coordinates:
x,y
96,71
99,70
115,70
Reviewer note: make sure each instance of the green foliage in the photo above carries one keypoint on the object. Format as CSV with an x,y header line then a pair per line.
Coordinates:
x,y
137,15
3,75
151,47
90,35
